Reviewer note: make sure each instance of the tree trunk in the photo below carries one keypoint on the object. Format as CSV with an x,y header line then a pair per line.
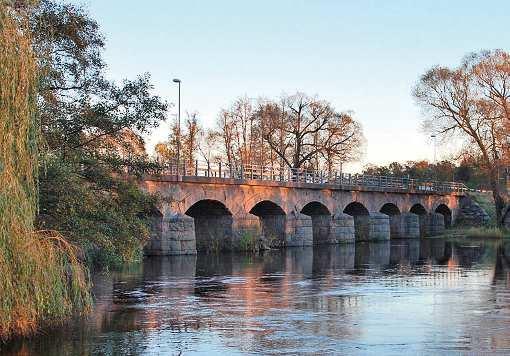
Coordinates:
x,y
499,201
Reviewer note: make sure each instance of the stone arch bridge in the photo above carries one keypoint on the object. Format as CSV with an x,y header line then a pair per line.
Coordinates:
x,y
224,213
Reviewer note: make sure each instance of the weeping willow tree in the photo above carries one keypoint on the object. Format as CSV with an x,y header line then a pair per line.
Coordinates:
x,y
41,280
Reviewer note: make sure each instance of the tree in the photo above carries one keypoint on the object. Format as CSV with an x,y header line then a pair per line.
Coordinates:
x,y
341,141
91,131
208,146
240,133
303,129
471,102
191,138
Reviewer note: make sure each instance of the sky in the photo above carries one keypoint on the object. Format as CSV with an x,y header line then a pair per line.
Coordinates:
x,y
363,56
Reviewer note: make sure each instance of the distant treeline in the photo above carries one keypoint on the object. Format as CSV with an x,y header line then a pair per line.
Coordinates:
x,y
469,173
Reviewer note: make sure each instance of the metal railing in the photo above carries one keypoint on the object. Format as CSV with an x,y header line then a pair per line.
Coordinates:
x,y
299,175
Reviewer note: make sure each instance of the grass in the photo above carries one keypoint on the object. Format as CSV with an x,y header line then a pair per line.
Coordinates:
x,y
484,232
42,282
248,241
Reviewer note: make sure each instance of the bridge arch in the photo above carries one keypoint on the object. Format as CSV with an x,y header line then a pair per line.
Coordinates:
x,y
321,221
444,210
420,210
273,221
393,212
213,225
361,219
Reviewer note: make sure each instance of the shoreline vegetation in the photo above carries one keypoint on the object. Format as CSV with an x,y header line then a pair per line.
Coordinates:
x,y
42,282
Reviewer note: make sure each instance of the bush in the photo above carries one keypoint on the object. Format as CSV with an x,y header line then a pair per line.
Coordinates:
x,y
99,211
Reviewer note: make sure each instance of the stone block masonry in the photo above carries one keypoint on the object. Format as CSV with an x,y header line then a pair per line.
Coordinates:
x,y
203,213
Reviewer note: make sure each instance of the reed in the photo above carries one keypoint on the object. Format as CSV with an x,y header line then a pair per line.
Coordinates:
x,y
42,282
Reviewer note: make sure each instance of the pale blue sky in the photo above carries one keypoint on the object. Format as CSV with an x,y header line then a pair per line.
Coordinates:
x,y
363,56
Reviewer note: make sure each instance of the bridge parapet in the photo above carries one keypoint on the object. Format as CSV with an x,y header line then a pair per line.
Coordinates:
x,y
298,177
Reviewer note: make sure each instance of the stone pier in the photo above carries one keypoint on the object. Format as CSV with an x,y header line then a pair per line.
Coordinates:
x,y
379,227
172,235
299,230
342,229
409,226
436,224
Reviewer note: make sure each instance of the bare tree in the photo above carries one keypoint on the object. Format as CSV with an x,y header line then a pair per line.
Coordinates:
x,y
342,141
209,145
305,129
238,128
471,102
191,138
167,151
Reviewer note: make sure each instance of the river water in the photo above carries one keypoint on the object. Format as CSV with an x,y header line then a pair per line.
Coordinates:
x,y
400,297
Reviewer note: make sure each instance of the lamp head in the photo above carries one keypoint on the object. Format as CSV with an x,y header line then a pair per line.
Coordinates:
x,y
175,80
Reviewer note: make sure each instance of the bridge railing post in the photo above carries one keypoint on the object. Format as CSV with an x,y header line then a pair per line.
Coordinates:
x,y
219,169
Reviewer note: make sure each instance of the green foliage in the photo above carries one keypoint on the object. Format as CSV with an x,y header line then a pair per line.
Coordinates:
x,y
467,171
486,232
91,131
248,241
95,209
41,280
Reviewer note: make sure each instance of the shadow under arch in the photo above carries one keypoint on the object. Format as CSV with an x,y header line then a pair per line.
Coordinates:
x,y
213,225
361,219
420,210
321,221
273,222
444,210
393,212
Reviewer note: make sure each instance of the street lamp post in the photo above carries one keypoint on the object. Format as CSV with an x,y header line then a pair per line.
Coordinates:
x,y
178,81
434,138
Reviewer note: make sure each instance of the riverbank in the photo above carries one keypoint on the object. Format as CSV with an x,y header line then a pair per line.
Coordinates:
x,y
484,232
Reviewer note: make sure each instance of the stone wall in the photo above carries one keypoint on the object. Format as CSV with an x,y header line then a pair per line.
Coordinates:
x,y
174,235
214,233
299,230
379,227
247,229
373,227
361,227
321,226
396,226
342,229
273,229
436,224
409,226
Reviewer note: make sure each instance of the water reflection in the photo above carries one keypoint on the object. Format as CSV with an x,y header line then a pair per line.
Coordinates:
x,y
400,296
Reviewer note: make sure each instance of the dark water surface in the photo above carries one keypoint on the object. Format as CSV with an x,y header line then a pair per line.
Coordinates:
x,y
403,297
